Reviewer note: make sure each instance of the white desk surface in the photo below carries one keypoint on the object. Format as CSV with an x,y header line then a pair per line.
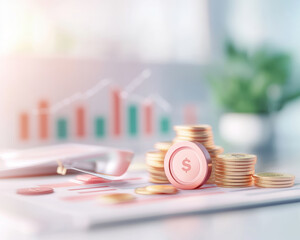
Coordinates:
x,y
271,222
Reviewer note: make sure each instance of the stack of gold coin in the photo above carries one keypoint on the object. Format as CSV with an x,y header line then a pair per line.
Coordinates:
x,y
195,133
202,134
273,180
214,152
156,189
155,162
163,146
234,170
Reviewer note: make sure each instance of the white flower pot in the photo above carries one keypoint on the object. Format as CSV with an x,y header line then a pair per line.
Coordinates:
x,y
246,131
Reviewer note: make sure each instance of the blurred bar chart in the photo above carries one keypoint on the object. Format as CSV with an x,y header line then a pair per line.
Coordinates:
x,y
124,118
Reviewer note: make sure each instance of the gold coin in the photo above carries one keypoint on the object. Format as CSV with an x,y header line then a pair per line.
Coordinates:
x,y
156,154
153,180
234,169
221,180
114,198
155,164
202,127
161,172
247,184
273,184
206,133
202,137
142,191
234,164
272,181
241,173
274,176
226,166
215,150
161,189
233,177
157,172
161,176
210,181
207,143
155,168
264,185
155,159
157,177
233,186
163,146
194,132
237,157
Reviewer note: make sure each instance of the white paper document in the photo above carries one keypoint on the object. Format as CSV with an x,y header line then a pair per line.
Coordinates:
x,y
76,205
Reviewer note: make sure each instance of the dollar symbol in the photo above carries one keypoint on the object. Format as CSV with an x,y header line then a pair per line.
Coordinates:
x,y
186,164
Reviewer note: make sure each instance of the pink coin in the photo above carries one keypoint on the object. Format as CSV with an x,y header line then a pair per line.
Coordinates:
x,y
187,165
35,191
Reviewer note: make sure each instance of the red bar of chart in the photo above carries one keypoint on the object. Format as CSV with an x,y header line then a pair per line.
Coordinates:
x,y
24,126
80,122
43,120
116,112
148,118
190,114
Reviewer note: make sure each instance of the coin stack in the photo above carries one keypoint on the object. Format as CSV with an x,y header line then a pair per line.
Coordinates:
x,y
202,134
273,180
155,162
234,170
195,133
214,152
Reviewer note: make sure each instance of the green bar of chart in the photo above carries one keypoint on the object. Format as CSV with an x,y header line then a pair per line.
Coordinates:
x,y
100,127
164,125
132,120
62,128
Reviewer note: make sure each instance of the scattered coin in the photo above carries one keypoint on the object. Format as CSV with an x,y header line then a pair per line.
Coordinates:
x,y
273,180
115,198
143,191
264,185
161,189
35,191
274,176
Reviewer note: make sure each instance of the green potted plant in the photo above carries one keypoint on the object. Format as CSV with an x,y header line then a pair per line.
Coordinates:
x,y
249,87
